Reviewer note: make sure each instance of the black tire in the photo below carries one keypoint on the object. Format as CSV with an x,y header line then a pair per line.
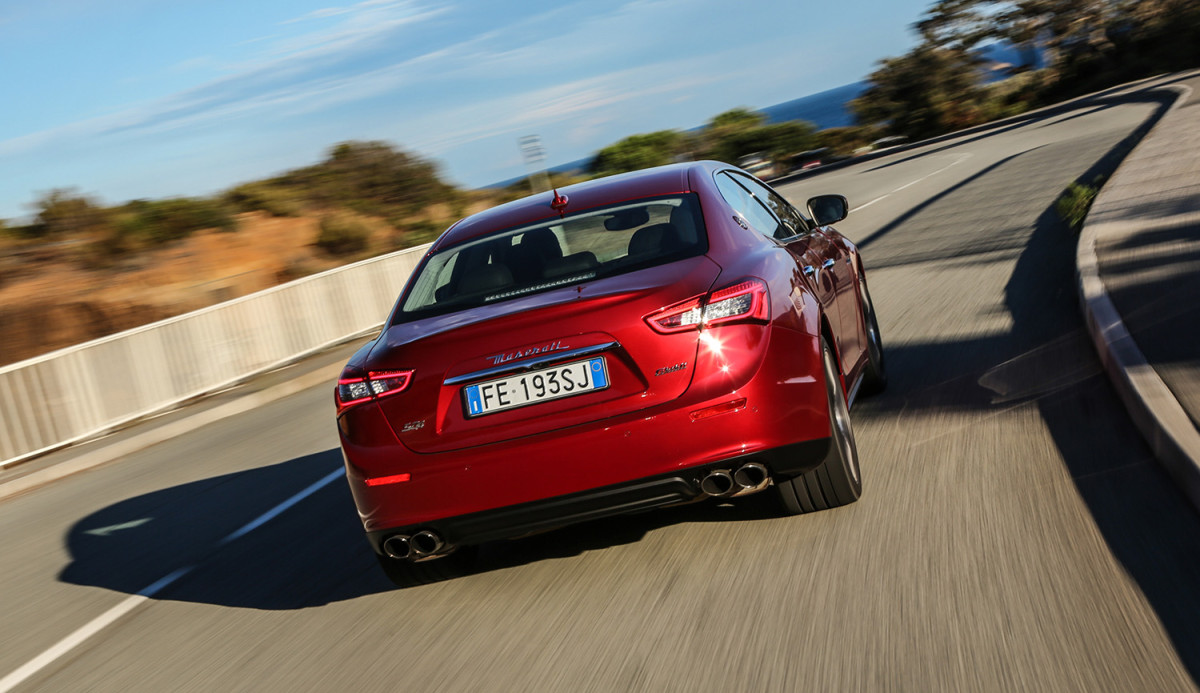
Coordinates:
x,y
875,375
838,479
404,573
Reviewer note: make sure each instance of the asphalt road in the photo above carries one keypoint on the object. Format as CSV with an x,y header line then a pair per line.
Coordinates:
x,y
1014,532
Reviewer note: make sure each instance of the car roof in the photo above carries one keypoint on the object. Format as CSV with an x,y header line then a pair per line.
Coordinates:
x,y
650,182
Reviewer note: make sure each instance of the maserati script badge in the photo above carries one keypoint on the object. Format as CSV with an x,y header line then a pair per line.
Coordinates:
x,y
512,356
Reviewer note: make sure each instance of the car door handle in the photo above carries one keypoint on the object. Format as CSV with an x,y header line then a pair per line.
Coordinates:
x,y
827,264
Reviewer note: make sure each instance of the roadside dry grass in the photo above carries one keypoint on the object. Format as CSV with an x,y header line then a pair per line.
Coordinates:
x,y
52,296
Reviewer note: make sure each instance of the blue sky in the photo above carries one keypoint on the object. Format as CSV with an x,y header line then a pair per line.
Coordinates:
x,y
157,98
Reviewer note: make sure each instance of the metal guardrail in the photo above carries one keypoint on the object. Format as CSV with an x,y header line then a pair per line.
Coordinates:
x,y
84,391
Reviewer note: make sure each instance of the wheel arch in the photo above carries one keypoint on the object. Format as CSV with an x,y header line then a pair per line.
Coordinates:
x,y
826,333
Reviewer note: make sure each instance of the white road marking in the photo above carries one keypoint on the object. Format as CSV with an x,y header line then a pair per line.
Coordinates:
x,y
109,617
105,531
277,510
961,158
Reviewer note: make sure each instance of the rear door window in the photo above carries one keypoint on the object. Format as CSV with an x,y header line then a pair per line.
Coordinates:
x,y
796,224
754,212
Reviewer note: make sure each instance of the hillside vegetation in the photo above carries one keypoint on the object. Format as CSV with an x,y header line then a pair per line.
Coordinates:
x,y
81,270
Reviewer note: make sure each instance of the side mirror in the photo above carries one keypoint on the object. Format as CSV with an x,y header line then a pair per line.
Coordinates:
x,y
828,209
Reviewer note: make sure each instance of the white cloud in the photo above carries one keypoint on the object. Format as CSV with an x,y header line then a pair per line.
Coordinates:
x,y
298,79
357,9
594,99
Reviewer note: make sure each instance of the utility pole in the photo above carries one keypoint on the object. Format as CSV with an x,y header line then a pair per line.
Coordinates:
x,y
535,156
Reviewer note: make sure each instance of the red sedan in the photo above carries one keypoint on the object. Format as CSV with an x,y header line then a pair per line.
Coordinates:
x,y
642,340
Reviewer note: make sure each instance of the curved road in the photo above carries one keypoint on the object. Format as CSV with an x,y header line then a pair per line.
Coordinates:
x,y
1014,533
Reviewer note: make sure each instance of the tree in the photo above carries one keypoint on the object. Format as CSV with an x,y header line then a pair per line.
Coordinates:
x,y
737,119
926,93
1063,29
784,139
370,176
731,135
1086,44
154,222
63,212
958,23
638,152
342,234
1158,36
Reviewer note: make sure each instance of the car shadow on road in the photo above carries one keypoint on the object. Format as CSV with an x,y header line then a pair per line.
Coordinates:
x,y
311,554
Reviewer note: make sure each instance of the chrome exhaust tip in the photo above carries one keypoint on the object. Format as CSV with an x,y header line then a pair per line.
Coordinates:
x,y
426,543
752,476
398,546
718,483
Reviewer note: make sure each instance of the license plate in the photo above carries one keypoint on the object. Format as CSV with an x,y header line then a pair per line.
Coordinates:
x,y
567,380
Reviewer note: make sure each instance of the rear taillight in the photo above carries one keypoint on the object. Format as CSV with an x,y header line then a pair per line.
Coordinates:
x,y
746,300
678,318
741,302
355,388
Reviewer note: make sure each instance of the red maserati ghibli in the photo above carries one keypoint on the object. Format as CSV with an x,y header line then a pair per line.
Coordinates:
x,y
642,340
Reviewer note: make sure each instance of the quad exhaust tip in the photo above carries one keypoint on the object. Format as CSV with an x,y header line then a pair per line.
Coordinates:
x,y
751,476
423,544
721,483
718,483
426,543
398,547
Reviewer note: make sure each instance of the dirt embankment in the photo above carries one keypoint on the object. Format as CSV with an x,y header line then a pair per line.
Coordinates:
x,y
50,298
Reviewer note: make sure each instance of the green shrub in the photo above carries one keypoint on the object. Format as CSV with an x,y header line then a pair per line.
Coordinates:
x,y
1076,200
371,177
106,251
275,200
342,234
162,221
418,232
638,152
63,212
11,233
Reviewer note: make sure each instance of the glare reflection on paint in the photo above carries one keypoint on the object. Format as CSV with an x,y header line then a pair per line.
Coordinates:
x,y
711,341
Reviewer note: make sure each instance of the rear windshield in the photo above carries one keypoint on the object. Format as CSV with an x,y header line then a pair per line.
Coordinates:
x,y
556,253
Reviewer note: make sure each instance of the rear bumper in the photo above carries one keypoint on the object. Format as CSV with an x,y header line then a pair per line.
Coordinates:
x,y
625,463
618,499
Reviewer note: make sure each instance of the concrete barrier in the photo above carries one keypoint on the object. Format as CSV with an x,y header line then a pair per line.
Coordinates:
x,y
87,390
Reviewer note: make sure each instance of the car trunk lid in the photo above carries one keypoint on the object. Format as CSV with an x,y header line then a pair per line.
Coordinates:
x,y
534,335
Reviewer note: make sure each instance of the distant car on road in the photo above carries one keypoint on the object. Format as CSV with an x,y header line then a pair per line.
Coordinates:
x,y
758,165
632,342
881,144
813,158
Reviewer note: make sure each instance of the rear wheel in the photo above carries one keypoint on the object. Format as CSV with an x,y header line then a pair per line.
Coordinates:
x,y
405,573
837,480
